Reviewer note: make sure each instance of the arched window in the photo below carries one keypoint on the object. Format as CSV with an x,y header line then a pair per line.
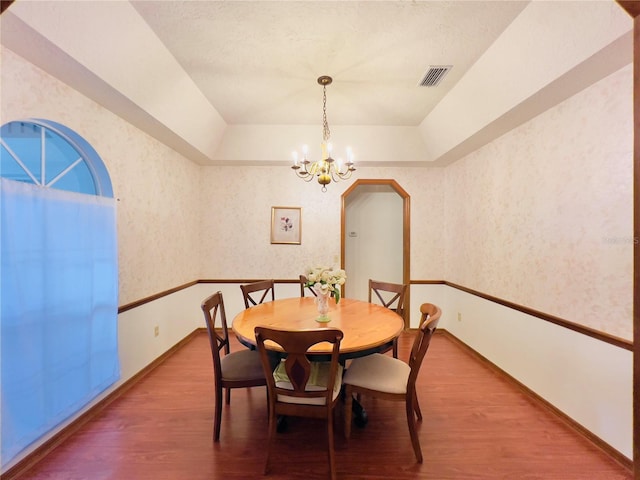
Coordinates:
x,y
51,155
59,280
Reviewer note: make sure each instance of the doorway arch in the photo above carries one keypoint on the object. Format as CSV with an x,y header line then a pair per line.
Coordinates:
x,y
406,228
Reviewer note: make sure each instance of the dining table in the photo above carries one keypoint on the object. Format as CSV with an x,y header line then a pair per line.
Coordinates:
x,y
367,327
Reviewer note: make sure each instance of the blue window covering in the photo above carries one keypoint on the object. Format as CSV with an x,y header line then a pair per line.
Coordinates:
x,y
58,304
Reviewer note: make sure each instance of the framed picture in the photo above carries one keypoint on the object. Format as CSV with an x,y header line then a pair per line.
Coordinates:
x,y
286,225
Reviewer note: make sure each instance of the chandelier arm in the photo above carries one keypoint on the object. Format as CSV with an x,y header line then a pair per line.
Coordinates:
x,y
335,175
346,175
343,175
306,176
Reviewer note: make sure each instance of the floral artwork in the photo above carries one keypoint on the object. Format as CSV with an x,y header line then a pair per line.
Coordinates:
x,y
286,225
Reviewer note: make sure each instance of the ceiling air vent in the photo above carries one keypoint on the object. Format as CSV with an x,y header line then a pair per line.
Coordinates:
x,y
434,75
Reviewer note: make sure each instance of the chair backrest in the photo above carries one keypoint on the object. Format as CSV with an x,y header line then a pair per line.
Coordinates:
x,y
264,286
297,364
428,323
213,307
390,295
304,288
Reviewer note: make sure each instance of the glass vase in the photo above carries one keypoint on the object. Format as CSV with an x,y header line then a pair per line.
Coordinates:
x,y
322,302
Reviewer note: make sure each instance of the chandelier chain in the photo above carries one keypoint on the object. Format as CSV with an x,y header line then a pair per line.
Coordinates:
x,y
326,133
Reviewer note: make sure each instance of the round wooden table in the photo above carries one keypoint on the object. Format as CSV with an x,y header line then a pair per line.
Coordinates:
x,y
367,327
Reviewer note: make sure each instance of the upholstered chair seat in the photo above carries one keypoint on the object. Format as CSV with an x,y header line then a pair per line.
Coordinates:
x,y
379,372
242,364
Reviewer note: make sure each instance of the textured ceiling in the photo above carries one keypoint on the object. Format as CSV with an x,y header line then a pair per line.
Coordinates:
x,y
235,82
258,61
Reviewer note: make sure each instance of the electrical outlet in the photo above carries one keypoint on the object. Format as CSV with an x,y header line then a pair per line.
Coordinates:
x,y
156,331
459,317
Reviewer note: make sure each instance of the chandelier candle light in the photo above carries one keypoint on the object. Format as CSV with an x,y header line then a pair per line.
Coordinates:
x,y
326,169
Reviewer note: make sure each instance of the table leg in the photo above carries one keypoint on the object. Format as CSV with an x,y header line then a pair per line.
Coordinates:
x,y
281,424
360,417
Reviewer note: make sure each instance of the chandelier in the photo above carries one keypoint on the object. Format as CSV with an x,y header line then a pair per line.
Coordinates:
x,y
327,169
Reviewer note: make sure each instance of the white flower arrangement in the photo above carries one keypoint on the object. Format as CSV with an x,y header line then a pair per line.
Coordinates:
x,y
326,280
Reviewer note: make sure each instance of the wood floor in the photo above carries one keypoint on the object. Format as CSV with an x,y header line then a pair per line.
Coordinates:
x,y
477,425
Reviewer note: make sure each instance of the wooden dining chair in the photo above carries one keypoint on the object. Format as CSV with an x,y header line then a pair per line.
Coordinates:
x,y
251,292
389,378
390,295
300,387
233,369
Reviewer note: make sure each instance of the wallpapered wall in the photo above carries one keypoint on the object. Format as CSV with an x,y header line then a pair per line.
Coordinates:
x,y
541,217
159,207
238,216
